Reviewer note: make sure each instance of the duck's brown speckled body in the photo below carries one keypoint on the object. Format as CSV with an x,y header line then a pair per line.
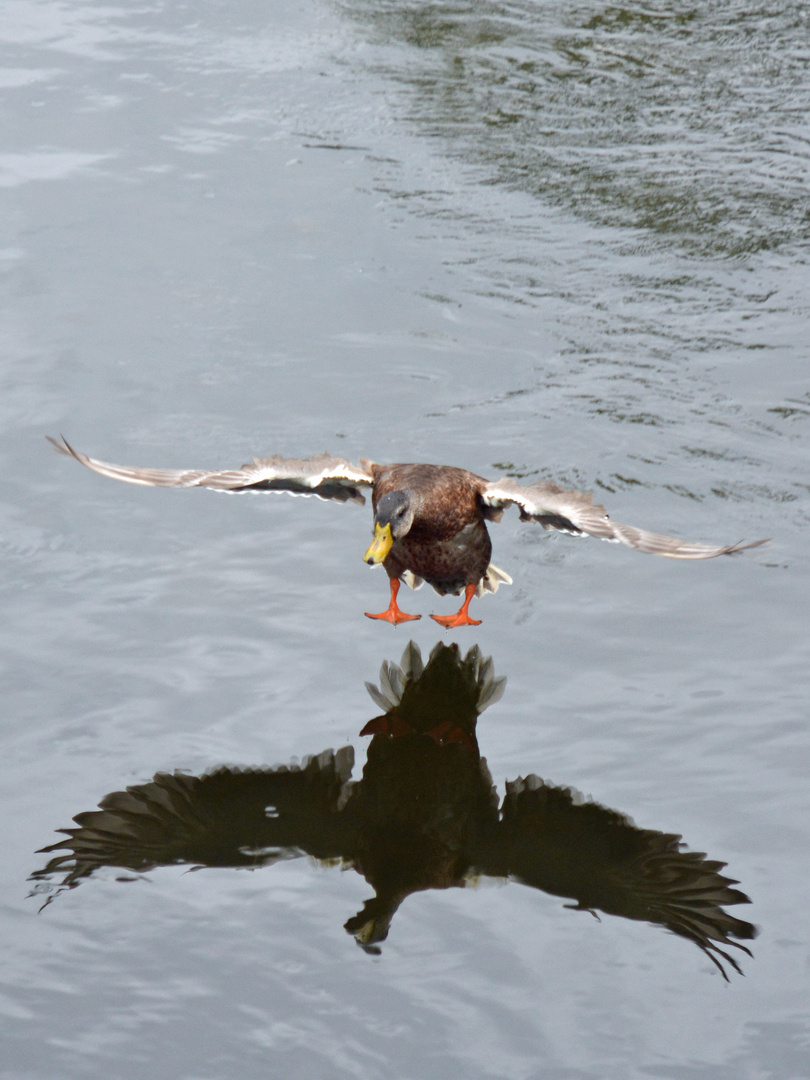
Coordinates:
x,y
448,544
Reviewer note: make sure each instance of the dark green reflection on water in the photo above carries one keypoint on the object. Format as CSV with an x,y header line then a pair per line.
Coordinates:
x,y
425,815
686,120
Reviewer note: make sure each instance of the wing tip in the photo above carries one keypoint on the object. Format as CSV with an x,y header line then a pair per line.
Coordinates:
x,y
60,445
735,549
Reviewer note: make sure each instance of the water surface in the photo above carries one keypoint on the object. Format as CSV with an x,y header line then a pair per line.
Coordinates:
x,y
570,244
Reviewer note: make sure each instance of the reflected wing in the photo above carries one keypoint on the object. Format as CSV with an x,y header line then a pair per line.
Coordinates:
x,y
229,817
321,475
576,513
552,839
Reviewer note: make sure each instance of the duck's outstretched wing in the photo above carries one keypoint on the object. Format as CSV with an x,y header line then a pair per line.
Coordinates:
x,y
553,839
576,513
321,475
227,817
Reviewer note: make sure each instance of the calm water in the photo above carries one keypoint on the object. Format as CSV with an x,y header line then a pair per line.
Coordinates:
x,y
569,242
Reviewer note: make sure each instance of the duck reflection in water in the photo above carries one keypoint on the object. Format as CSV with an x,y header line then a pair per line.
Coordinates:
x,y
425,815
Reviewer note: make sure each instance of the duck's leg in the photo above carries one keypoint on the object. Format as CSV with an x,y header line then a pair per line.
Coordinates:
x,y
461,618
393,614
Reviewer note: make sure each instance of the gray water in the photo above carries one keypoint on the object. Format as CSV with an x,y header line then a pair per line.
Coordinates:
x,y
565,242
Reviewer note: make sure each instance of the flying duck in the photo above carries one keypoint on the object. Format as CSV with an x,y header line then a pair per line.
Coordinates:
x,y
430,521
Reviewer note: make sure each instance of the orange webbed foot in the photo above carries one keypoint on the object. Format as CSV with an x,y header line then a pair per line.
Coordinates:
x,y
461,617
390,724
450,622
446,733
393,613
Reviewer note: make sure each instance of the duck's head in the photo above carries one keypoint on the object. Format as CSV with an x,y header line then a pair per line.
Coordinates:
x,y
392,521
371,925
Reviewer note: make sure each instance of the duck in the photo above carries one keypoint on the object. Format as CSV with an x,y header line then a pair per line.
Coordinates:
x,y
430,521
424,815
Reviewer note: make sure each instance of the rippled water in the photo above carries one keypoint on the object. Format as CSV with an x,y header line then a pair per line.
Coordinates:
x,y
565,242
687,123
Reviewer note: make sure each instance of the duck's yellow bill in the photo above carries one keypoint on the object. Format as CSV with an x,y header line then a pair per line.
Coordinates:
x,y
380,545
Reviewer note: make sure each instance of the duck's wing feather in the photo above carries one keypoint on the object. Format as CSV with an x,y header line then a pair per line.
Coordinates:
x,y
321,475
554,839
576,513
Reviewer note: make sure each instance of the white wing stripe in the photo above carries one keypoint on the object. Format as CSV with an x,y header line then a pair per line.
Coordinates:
x,y
575,512
335,477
